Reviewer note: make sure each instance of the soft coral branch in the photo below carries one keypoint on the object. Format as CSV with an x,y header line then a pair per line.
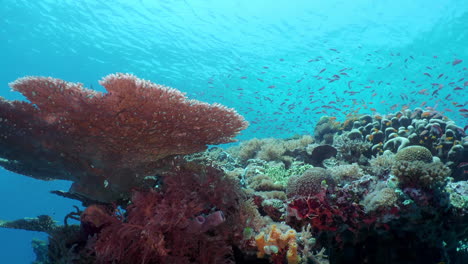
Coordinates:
x,y
181,223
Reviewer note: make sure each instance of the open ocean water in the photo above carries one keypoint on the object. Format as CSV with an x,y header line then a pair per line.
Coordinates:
x,y
280,64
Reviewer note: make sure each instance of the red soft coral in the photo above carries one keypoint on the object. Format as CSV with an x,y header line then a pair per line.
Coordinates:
x,y
327,213
163,226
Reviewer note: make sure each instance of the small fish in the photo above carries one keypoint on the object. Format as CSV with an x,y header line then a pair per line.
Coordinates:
x,y
423,91
427,74
322,70
271,86
456,61
440,75
243,77
463,110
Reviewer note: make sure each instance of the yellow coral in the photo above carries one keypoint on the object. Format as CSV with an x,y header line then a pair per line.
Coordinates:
x,y
287,237
274,235
279,241
291,254
261,243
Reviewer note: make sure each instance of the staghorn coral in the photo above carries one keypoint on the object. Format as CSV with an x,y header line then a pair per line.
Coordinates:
x,y
105,142
311,182
414,153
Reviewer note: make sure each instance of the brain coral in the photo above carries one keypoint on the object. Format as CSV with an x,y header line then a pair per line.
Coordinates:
x,y
414,153
309,183
380,199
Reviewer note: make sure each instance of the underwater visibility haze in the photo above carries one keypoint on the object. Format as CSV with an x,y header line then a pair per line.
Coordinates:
x,y
204,131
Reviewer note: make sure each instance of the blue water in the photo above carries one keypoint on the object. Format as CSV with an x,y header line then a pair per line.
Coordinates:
x,y
261,57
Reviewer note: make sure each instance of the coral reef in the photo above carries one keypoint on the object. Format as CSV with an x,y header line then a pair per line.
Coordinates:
x,y
372,189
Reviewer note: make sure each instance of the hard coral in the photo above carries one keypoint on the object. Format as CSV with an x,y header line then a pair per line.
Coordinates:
x,y
352,150
311,182
420,174
380,199
105,141
414,153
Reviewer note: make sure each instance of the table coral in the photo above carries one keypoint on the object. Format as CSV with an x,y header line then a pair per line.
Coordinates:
x,y
105,142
